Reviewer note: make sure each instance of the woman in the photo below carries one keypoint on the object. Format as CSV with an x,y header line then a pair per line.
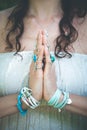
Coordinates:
x,y
33,34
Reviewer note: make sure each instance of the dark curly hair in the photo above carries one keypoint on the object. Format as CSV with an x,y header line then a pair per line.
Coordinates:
x,y
71,8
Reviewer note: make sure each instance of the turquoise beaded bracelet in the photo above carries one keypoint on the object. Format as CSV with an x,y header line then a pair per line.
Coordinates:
x,y
55,98
54,101
63,102
19,105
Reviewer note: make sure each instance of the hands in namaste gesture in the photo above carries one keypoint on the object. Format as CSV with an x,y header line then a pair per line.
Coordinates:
x,y
42,76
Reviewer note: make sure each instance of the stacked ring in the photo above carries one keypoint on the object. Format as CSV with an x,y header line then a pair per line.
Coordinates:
x,y
36,61
35,58
38,67
52,57
37,50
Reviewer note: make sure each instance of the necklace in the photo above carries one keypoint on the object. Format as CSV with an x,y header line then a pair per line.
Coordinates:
x,y
48,26
48,23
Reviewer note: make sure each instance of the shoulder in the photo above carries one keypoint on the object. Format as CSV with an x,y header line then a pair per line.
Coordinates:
x,y
4,14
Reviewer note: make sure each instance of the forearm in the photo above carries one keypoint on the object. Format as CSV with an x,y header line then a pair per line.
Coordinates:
x,y
59,100
8,105
79,105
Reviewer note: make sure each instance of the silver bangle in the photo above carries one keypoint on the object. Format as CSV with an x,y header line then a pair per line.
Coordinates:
x,y
28,99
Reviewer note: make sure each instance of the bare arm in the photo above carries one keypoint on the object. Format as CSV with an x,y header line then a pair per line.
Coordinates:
x,y
8,105
79,105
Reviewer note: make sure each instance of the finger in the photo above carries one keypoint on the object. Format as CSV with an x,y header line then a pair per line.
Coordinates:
x,y
48,63
47,54
36,71
39,40
38,44
39,54
38,64
44,37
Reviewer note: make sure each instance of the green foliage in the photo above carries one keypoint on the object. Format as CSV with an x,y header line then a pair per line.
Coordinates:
x,y
4,4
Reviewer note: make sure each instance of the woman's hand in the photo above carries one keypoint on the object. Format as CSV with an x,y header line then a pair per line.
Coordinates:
x,y
49,73
36,72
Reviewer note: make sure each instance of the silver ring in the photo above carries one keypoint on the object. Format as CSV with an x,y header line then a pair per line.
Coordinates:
x,y
37,50
49,62
48,46
37,66
39,59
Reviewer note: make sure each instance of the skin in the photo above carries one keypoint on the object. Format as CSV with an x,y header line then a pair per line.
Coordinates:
x,y
43,86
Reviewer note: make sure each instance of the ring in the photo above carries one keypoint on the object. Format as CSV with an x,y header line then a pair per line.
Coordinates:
x,y
49,62
37,50
35,57
52,57
37,66
39,59
48,46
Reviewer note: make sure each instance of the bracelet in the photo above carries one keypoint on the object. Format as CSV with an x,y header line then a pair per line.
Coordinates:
x,y
55,98
19,105
54,101
63,102
28,99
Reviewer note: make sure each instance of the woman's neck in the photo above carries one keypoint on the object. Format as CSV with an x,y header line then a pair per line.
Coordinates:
x,y
44,9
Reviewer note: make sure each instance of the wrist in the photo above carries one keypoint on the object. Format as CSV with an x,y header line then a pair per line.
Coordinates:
x,y
24,106
19,105
60,99
37,96
49,94
28,99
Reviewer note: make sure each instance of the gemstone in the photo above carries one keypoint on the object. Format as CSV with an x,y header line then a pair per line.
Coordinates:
x,y
34,58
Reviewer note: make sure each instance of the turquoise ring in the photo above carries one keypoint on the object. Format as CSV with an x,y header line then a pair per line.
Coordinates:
x,y
52,57
34,58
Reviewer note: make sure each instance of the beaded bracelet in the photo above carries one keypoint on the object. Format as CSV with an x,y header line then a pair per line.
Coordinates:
x,y
54,101
19,105
63,102
55,98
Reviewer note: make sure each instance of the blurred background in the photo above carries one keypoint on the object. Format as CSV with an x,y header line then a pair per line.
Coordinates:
x,y
4,4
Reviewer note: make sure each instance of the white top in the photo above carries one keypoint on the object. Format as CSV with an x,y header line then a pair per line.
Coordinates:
x,y
71,76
